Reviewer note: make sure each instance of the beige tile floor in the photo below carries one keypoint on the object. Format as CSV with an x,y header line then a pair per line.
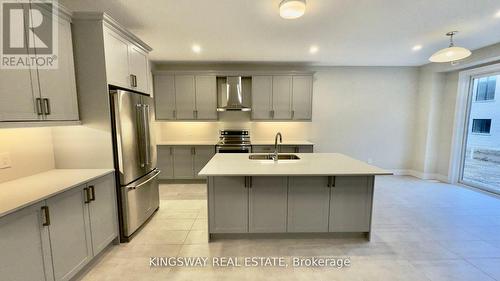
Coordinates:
x,y
422,231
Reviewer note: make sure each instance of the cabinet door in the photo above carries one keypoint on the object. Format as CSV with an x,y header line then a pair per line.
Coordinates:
x,y
228,205
25,246
103,212
164,88
206,97
289,149
58,86
18,91
165,162
308,204
138,66
262,94
69,232
306,149
183,162
351,204
202,154
185,97
267,204
116,55
262,148
302,97
282,94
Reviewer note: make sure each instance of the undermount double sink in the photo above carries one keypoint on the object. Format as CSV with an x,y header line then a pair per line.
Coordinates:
x,y
271,157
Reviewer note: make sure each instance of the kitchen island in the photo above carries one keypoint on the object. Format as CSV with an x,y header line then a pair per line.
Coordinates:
x,y
318,193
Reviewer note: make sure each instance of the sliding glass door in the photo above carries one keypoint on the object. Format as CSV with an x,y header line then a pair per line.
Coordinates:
x,y
481,151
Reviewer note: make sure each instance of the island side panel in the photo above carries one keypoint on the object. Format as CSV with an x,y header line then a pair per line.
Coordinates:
x,y
372,184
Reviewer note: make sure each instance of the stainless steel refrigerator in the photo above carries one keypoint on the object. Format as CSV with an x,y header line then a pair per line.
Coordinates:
x,y
135,159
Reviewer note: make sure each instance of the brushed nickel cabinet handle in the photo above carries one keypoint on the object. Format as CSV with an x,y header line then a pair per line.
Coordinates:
x,y
46,215
174,113
293,114
333,182
46,106
39,109
272,113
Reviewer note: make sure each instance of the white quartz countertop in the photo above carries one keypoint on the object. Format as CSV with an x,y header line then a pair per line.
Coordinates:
x,y
22,192
285,142
187,142
228,164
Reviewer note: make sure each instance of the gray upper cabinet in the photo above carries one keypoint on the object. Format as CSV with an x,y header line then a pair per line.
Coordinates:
x,y
262,94
308,204
58,86
353,196
282,97
206,97
229,212
127,63
39,94
185,97
267,204
202,154
102,210
25,246
164,97
302,97
166,162
69,232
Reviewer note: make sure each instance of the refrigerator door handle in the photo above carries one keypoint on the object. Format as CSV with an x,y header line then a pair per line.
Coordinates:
x,y
140,133
147,140
148,179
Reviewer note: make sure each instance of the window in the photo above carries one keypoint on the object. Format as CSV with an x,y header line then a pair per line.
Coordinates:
x,y
486,88
481,126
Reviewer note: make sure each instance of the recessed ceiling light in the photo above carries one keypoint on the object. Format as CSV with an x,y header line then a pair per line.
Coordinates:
x,y
417,48
497,15
313,49
292,9
196,48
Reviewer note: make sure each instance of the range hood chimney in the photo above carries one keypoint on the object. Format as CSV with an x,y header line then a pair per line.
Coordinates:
x,y
232,97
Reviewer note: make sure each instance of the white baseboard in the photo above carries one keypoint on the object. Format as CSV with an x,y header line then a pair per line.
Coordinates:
x,y
420,175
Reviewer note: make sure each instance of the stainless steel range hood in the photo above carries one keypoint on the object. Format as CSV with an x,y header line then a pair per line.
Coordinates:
x,y
232,97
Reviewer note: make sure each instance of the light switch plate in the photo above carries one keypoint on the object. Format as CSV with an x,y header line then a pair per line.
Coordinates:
x,y
5,160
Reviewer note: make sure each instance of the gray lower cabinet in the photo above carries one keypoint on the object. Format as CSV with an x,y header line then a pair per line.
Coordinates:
x,y
351,204
229,204
308,204
267,204
182,161
25,246
202,154
69,232
283,148
54,239
165,162
102,211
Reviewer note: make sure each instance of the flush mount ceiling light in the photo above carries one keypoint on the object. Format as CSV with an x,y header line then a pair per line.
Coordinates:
x,y
292,9
451,53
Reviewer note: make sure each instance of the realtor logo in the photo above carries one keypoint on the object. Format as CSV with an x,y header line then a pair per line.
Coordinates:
x,y
28,34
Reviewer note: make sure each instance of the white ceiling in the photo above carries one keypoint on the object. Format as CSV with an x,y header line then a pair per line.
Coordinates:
x,y
347,32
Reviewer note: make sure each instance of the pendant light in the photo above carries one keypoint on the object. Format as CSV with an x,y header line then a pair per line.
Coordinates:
x,y
292,9
451,53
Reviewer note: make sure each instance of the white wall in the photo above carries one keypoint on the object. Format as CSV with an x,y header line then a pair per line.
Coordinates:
x,y
365,112
30,151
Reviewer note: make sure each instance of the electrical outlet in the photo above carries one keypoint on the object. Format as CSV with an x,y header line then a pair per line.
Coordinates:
x,y
370,161
5,160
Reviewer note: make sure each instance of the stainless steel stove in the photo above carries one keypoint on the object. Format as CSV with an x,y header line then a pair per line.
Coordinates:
x,y
234,141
